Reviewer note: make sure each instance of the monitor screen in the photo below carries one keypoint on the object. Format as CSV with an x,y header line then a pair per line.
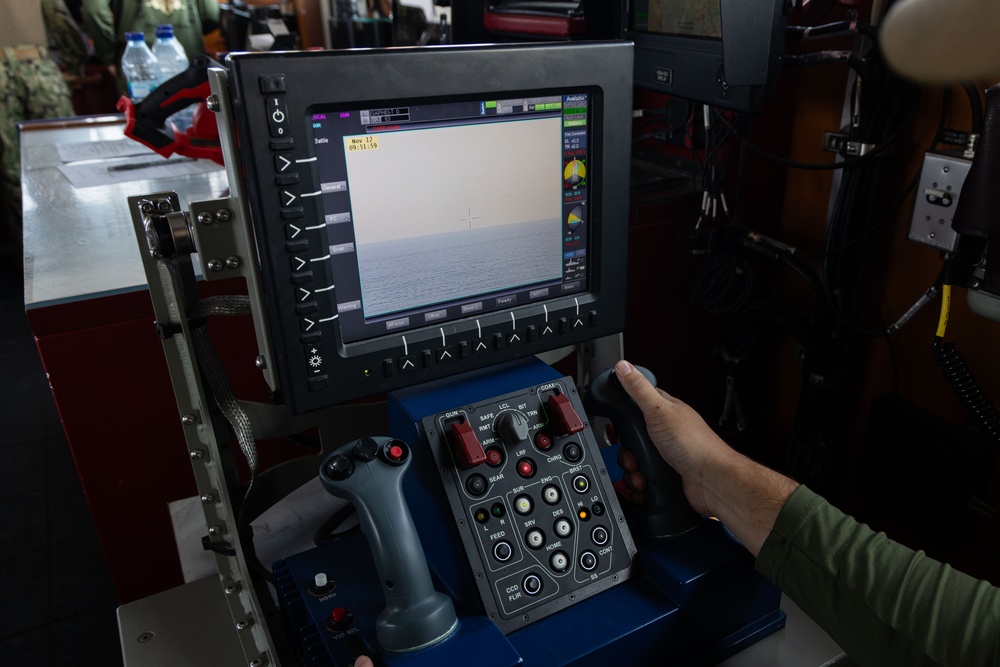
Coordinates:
x,y
511,230
424,212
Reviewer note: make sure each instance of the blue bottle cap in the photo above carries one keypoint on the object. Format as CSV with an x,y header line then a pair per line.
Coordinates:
x,y
164,30
134,36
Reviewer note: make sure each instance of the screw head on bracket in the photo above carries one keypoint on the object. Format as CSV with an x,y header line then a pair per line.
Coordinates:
x,y
215,265
224,215
206,218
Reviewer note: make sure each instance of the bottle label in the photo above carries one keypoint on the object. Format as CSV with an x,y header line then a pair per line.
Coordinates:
x,y
138,90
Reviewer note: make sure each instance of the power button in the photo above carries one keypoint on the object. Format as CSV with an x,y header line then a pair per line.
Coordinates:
x,y
277,115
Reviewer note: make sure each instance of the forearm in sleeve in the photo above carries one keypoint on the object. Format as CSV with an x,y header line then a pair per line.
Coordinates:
x,y
882,602
99,23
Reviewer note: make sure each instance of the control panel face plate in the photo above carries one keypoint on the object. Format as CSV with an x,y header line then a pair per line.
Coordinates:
x,y
533,503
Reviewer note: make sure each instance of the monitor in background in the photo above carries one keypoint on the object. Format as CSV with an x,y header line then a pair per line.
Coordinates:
x,y
725,53
424,212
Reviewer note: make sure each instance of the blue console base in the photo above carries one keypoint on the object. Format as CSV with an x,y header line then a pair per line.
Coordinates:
x,y
696,598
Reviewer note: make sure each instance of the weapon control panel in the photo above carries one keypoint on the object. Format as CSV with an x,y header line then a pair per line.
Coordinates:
x,y
532,500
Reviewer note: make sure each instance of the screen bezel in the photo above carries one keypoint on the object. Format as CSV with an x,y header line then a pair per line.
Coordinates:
x,y
391,361
737,70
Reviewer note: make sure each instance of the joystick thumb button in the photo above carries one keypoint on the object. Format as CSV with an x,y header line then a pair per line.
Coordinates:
x,y
339,468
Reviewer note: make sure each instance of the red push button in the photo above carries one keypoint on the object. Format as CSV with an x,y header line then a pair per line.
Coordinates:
x,y
494,457
543,442
339,620
525,467
395,453
562,416
468,450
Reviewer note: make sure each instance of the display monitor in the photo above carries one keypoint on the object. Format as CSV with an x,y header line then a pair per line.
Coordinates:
x,y
422,212
725,53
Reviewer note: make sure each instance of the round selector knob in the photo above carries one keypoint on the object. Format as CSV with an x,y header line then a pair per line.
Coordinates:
x,y
339,468
512,427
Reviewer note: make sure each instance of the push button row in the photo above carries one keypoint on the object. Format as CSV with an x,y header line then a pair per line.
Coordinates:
x,y
461,350
273,87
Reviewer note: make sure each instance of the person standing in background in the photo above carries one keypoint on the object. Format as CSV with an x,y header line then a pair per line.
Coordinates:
x,y
66,38
31,87
107,21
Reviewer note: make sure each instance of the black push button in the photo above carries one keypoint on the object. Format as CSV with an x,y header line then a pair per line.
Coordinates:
x,y
282,163
272,83
318,383
307,308
476,485
277,115
314,359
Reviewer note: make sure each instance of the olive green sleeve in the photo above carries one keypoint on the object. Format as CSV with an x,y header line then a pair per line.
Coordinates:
x,y
209,10
883,603
99,23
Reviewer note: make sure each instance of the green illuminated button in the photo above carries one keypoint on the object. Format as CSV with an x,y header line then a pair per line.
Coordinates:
x,y
581,484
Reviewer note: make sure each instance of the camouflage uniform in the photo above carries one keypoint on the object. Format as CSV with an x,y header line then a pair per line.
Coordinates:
x,y
65,36
31,87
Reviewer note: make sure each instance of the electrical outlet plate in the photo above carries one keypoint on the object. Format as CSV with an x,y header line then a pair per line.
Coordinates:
x,y
941,180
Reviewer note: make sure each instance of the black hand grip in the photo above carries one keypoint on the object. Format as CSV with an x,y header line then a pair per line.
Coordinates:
x,y
665,511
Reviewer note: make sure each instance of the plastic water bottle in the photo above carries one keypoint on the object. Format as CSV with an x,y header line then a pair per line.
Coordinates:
x,y
173,60
139,65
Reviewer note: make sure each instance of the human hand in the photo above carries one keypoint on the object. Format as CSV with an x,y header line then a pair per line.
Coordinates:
x,y
680,435
363,661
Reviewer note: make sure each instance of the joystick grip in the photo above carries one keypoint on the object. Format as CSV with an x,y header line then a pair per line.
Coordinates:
x,y
369,474
665,511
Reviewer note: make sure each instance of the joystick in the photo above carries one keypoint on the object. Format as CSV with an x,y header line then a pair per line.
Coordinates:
x,y
665,511
369,474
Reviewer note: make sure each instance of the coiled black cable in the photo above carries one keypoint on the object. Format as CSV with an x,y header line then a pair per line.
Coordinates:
x,y
977,404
